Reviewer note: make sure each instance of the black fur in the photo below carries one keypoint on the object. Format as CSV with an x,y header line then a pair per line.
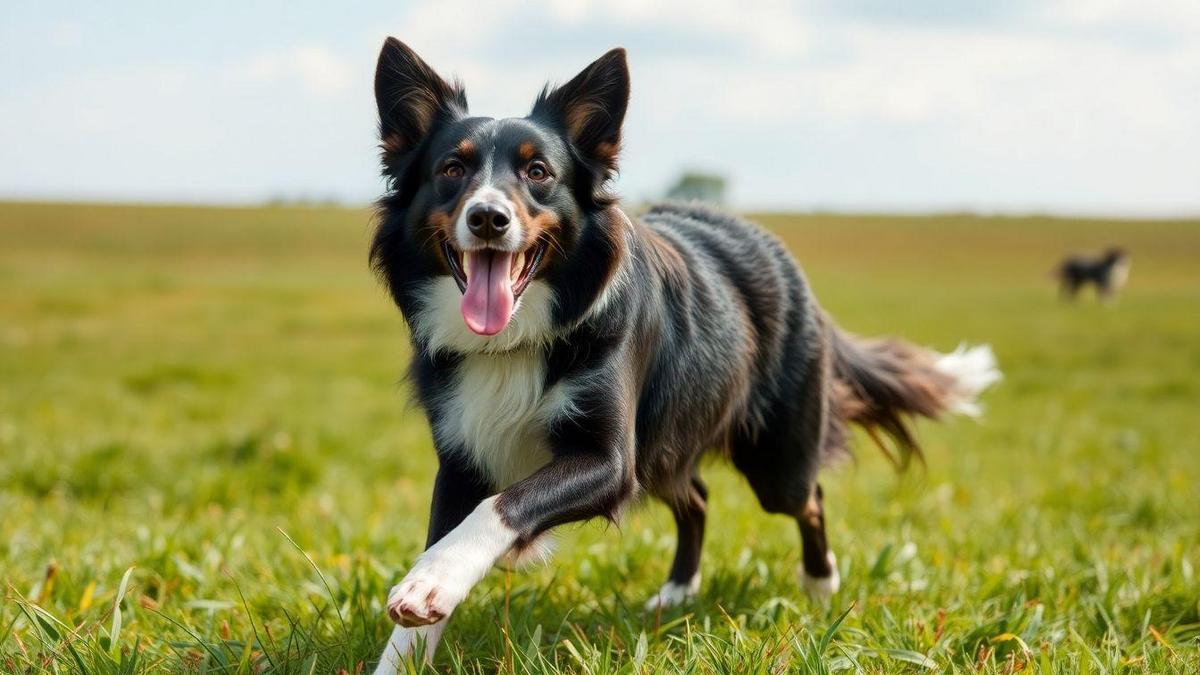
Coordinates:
x,y
684,331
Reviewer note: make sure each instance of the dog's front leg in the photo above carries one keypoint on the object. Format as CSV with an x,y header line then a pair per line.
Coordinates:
x,y
457,490
446,571
405,642
575,485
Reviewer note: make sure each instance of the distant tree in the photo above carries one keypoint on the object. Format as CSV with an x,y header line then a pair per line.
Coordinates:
x,y
697,186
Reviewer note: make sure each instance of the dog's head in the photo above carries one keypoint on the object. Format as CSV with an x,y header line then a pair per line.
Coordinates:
x,y
493,207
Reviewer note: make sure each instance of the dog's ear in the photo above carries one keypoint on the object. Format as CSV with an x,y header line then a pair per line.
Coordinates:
x,y
412,100
590,108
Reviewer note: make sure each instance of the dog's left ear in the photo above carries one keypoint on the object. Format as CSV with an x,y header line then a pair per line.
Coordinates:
x,y
591,108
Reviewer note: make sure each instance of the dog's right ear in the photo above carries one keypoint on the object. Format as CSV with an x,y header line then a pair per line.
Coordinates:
x,y
412,100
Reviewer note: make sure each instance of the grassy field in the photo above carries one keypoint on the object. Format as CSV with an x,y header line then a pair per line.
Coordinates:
x,y
211,399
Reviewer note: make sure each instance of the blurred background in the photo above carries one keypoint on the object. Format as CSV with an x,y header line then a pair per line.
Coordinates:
x,y
1059,106
208,462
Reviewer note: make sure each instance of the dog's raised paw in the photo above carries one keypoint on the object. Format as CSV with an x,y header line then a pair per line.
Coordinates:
x,y
419,602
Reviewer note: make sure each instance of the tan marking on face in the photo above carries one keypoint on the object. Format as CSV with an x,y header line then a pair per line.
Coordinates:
x,y
466,147
443,222
440,220
545,223
526,151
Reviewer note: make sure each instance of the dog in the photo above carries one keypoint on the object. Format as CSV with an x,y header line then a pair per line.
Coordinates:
x,y
1108,272
571,359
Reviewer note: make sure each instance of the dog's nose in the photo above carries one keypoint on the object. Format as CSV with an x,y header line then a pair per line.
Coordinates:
x,y
488,220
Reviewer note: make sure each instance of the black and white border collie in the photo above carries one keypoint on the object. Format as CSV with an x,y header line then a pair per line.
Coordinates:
x,y
571,359
1108,272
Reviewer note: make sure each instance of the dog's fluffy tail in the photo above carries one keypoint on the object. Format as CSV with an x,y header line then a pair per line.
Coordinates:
x,y
882,384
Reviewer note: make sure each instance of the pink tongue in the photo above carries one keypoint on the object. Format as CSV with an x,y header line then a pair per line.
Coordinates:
x,y
487,304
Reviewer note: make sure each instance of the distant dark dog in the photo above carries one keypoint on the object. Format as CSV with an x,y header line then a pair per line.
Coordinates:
x,y
1108,272
571,359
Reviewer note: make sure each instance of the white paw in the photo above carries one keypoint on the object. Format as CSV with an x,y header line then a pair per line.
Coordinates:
x,y
427,595
445,573
821,589
672,594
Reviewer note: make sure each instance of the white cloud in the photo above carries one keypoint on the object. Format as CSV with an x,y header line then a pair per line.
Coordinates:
x,y
770,26
66,34
1178,17
315,67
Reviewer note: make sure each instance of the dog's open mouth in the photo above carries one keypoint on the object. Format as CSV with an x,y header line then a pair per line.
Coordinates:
x,y
491,281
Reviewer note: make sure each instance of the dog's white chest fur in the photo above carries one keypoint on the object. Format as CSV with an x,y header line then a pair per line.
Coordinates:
x,y
494,413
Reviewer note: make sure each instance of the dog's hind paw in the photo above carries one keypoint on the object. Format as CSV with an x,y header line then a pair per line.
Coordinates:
x,y
672,594
821,589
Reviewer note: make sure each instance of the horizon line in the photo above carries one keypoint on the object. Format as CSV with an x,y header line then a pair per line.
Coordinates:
x,y
864,209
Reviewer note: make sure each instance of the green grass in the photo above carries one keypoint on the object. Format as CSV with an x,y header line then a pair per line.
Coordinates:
x,y
186,392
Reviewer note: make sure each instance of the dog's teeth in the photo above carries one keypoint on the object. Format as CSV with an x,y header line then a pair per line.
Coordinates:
x,y
518,265
466,266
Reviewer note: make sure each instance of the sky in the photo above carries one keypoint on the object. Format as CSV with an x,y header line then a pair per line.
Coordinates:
x,y
1072,106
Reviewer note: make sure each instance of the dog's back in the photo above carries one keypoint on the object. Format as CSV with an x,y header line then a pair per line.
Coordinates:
x,y
748,359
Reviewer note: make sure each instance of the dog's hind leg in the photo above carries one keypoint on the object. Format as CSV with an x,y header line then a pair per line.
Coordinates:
x,y
684,578
818,570
781,464
818,573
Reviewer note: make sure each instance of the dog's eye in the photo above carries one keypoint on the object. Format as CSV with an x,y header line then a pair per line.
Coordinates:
x,y
537,171
454,169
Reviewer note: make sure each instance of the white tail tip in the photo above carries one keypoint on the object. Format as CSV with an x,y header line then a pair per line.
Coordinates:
x,y
973,369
